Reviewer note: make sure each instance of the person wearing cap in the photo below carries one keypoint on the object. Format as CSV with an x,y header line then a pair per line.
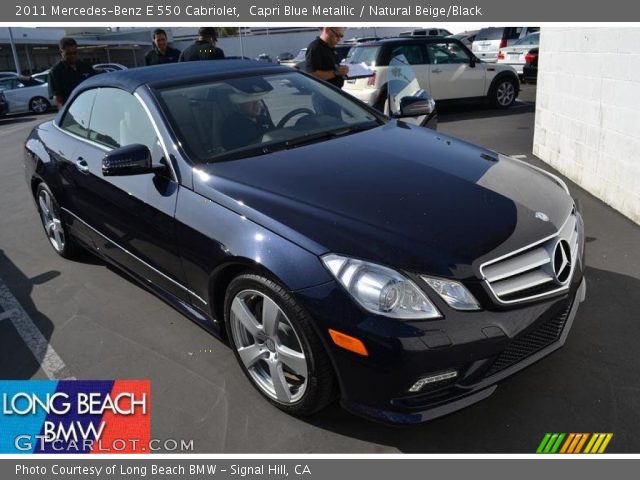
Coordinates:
x,y
162,52
247,124
321,60
204,48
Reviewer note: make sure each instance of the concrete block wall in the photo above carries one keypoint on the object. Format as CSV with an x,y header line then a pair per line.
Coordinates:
x,y
588,110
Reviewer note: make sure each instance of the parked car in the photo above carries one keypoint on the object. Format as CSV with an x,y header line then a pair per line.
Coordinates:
x,y
467,37
25,94
41,76
4,105
489,41
530,69
426,32
297,61
515,54
444,67
284,57
264,57
433,270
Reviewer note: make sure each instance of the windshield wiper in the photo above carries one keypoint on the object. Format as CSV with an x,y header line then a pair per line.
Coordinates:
x,y
294,142
327,134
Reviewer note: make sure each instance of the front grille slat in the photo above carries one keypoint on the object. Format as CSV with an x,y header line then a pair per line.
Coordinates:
x,y
529,273
530,343
519,264
521,282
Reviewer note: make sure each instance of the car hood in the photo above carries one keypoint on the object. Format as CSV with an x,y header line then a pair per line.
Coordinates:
x,y
397,194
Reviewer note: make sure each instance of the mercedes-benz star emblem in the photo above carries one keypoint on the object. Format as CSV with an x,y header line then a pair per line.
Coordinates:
x,y
562,261
542,216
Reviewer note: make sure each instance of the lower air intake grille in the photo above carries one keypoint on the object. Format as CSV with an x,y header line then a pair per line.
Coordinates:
x,y
530,343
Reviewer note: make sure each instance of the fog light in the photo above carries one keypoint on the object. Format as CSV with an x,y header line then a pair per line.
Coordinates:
x,y
433,379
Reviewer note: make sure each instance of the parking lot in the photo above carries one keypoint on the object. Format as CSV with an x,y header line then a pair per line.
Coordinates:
x,y
82,319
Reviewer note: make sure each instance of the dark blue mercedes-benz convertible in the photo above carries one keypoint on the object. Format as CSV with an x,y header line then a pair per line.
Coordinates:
x,y
343,253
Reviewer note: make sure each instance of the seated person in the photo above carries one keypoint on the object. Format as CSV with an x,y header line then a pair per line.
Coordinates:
x,y
246,125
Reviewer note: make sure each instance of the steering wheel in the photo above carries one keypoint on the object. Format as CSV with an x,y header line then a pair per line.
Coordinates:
x,y
296,111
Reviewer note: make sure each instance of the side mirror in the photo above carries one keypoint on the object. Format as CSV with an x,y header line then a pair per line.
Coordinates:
x,y
132,159
472,62
418,104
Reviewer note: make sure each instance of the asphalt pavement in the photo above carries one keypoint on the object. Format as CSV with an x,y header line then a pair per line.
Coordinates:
x,y
82,319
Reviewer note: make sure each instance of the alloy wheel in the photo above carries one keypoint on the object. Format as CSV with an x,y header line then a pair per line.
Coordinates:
x,y
268,346
51,221
39,105
505,93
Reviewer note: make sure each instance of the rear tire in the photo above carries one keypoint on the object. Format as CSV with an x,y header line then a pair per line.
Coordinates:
x,y
503,93
272,336
54,227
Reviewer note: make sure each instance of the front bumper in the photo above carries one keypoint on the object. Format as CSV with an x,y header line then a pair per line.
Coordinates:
x,y
482,347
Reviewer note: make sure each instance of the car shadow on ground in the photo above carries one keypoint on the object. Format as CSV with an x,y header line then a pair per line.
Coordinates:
x,y
22,351
455,112
586,386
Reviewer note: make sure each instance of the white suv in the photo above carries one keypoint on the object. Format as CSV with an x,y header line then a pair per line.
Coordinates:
x,y
444,67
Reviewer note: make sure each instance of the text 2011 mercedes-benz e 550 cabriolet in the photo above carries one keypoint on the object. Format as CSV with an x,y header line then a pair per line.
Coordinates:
x,y
343,253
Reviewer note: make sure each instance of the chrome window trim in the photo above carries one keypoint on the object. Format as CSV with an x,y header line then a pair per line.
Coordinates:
x,y
562,288
178,284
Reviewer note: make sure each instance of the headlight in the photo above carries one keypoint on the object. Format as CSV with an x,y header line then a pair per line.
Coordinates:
x,y
381,290
454,293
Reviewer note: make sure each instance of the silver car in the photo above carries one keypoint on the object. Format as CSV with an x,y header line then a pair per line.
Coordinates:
x,y
25,94
489,41
515,54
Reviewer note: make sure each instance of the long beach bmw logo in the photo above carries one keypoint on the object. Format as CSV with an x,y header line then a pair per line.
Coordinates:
x,y
562,261
542,216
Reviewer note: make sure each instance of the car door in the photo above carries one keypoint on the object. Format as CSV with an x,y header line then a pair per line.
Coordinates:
x,y
16,94
132,215
452,74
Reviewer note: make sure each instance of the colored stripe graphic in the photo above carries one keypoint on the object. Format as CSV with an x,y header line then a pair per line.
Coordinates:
x,y
73,421
574,443
127,433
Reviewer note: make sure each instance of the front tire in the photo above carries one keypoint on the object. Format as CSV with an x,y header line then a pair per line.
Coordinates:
x,y
54,227
503,93
39,105
277,348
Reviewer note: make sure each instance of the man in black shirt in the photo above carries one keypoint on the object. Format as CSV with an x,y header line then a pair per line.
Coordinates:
x,y
162,52
204,48
68,73
321,60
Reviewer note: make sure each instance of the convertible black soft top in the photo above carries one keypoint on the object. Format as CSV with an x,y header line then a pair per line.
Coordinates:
x,y
177,73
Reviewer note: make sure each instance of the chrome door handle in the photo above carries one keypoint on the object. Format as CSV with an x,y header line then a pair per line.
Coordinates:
x,y
437,70
82,165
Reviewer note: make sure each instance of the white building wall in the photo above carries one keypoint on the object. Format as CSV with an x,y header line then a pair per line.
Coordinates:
x,y
587,122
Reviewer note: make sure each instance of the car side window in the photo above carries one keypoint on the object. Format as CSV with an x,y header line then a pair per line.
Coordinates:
x,y
443,53
413,53
118,119
76,119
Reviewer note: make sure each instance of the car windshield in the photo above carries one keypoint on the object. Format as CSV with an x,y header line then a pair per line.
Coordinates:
x,y
533,39
490,34
255,115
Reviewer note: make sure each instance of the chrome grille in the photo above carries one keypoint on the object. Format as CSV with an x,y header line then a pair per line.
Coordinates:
x,y
543,268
